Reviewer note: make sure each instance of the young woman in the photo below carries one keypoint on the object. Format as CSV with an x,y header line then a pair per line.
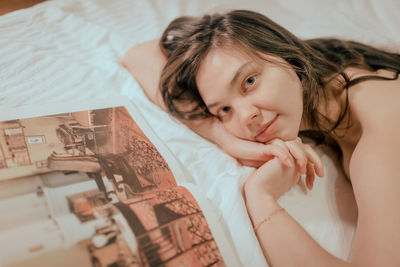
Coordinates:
x,y
252,87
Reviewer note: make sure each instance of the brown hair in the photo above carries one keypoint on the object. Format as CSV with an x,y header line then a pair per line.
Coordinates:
x,y
187,40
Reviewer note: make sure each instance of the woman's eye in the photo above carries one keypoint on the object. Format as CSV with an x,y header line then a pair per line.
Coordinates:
x,y
249,82
224,111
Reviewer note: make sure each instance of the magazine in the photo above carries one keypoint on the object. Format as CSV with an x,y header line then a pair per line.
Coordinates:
x,y
93,185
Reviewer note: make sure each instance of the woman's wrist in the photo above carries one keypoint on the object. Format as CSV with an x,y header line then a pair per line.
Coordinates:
x,y
265,201
253,188
219,134
260,208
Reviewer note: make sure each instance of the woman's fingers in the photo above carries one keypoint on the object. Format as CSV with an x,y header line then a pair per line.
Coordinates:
x,y
310,176
251,163
315,159
281,151
265,152
277,151
297,151
290,153
247,151
253,154
302,154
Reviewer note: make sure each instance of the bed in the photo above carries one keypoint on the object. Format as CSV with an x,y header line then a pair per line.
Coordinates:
x,y
72,51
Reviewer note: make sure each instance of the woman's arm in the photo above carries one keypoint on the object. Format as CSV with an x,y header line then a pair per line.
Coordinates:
x,y
375,171
145,62
283,240
375,174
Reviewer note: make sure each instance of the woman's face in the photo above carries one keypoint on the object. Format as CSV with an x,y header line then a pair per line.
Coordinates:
x,y
256,99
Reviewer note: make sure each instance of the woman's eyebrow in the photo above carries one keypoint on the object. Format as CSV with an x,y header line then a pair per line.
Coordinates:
x,y
212,105
236,76
238,73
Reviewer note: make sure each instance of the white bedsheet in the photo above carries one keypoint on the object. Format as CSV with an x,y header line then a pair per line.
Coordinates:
x,y
63,50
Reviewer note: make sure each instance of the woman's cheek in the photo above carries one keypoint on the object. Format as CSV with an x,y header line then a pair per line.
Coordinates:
x,y
235,129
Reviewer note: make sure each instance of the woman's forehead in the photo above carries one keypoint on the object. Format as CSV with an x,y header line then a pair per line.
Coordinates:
x,y
218,65
227,60
237,52
220,71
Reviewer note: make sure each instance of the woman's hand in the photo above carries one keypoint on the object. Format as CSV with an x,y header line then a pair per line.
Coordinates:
x,y
290,153
272,179
254,154
248,153
307,160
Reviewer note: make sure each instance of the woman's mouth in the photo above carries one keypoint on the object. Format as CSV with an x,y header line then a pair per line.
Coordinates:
x,y
265,131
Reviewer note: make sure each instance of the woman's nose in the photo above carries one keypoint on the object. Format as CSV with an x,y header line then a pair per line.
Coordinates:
x,y
248,114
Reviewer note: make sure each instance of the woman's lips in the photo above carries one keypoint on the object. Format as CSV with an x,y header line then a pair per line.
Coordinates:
x,y
266,130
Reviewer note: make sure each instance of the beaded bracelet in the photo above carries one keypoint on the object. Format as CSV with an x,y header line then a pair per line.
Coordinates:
x,y
266,219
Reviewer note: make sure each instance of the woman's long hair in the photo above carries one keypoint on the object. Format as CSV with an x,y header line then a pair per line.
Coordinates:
x,y
187,40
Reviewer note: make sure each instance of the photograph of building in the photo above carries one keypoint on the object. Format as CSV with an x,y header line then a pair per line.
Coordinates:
x,y
88,188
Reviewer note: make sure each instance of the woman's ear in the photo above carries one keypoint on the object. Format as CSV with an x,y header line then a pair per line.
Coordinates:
x,y
145,62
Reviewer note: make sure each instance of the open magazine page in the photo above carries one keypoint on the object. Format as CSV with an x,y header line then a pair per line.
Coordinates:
x,y
86,187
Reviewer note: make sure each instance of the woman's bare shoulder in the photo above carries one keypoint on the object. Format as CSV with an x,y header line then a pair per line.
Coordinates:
x,y
375,102
145,62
